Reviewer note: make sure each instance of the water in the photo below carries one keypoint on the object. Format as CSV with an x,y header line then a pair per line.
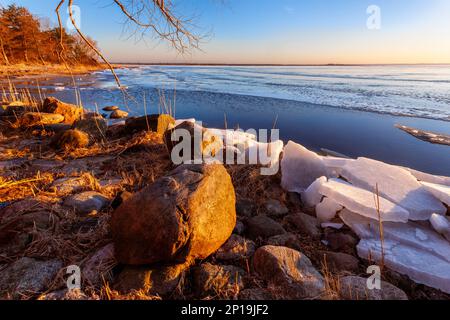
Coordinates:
x,y
351,110
422,91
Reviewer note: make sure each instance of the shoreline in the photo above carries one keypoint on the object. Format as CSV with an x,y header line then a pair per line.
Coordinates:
x,y
25,70
73,189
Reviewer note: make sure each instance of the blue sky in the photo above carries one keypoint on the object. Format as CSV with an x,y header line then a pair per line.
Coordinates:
x,y
281,31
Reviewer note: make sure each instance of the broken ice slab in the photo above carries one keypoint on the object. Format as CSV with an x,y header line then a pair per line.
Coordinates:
x,y
412,234
334,165
420,265
426,177
300,167
327,210
362,201
395,184
234,137
331,153
441,225
311,196
441,192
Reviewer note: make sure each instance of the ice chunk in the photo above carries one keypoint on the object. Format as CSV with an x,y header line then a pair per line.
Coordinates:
x,y
413,234
439,191
334,165
300,167
267,154
234,137
441,225
327,209
426,177
362,201
311,196
421,266
394,184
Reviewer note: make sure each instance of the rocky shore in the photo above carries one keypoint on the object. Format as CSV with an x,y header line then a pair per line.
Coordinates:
x,y
108,199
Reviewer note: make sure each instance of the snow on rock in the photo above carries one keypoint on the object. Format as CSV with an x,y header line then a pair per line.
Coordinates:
x,y
426,177
421,266
394,184
311,196
327,209
439,191
362,201
300,167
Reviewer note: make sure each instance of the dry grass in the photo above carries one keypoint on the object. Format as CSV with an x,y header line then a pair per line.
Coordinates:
x,y
48,69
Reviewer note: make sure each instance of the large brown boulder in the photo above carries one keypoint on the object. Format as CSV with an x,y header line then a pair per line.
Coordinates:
x,y
70,112
185,215
156,122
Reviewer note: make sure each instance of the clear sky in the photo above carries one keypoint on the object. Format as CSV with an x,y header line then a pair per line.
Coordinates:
x,y
279,31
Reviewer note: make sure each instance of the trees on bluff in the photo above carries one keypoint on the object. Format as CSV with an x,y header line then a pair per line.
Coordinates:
x,y
24,39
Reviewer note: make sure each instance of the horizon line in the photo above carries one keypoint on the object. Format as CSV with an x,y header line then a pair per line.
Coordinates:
x,y
276,64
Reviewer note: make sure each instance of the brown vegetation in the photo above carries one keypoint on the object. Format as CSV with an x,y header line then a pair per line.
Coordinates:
x,y
25,39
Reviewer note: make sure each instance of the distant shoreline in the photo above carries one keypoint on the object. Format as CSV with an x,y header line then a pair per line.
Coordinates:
x,y
128,64
19,70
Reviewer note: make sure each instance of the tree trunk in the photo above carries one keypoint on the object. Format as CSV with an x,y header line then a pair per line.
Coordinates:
x,y
37,49
5,57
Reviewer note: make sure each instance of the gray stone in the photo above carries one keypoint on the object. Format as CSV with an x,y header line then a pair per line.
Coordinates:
x,y
290,271
276,208
236,248
209,279
341,242
306,224
161,281
245,208
338,262
87,202
355,288
289,240
264,227
239,229
256,294
27,276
